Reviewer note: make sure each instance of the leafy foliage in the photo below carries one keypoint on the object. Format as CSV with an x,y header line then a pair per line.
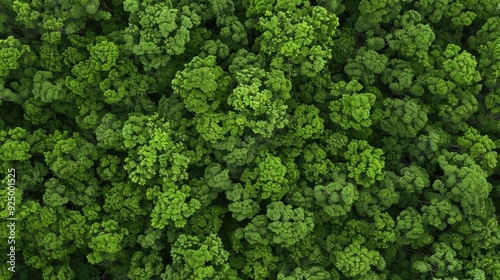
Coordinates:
x,y
252,139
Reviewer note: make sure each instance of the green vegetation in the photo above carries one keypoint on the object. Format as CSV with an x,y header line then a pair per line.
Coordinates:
x,y
251,139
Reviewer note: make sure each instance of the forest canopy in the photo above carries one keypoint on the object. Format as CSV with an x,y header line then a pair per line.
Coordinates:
x,y
250,139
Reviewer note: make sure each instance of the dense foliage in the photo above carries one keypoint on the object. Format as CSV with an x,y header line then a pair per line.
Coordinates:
x,y
251,139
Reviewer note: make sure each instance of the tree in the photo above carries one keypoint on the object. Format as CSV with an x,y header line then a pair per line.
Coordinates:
x,y
198,259
156,32
145,137
480,148
412,39
461,67
442,262
440,212
365,163
375,13
365,66
464,182
260,100
355,260
129,202
106,241
307,123
298,41
352,111
14,146
202,85
171,206
145,266
315,165
336,198
413,231
404,118
399,76
10,56
287,225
